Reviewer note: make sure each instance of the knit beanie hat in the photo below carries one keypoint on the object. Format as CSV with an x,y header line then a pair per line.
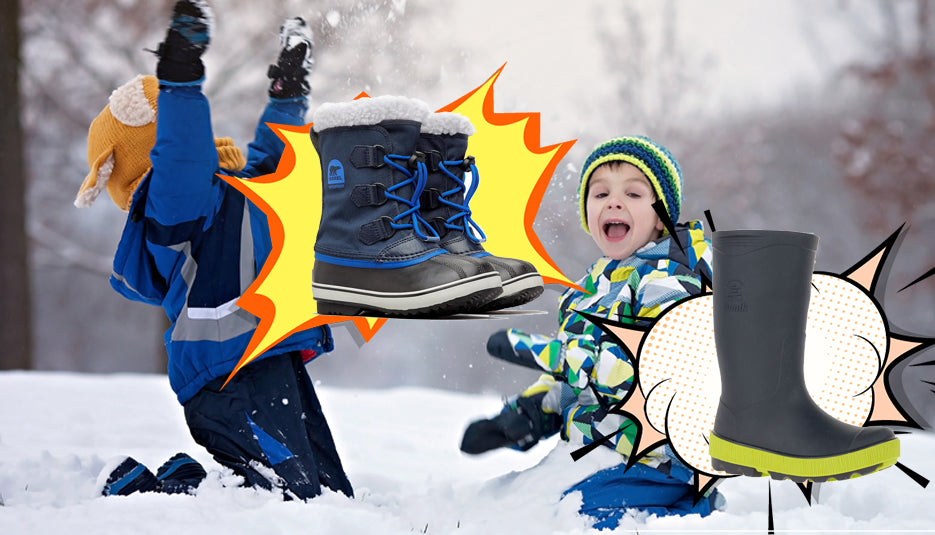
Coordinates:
x,y
120,139
649,157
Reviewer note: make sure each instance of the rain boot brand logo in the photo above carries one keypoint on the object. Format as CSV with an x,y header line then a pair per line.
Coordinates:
x,y
335,175
735,297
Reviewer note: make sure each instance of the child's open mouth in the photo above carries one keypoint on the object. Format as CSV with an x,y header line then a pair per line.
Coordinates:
x,y
616,230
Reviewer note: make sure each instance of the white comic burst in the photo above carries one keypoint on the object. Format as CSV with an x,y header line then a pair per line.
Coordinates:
x,y
846,344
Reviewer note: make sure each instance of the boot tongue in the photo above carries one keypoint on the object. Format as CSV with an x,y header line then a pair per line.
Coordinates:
x,y
401,136
455,146
442,148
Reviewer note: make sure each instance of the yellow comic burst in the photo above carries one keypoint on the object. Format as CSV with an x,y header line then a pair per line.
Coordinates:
x,y
516,174
512,167
281,296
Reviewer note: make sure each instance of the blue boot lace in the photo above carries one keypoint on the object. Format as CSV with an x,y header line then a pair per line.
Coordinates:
x,y
462,220
418,180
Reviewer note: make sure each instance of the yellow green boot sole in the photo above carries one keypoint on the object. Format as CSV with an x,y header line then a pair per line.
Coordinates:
x,y
741,459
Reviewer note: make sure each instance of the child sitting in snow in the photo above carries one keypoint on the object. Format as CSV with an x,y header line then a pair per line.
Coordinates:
x,y
642,272
192,244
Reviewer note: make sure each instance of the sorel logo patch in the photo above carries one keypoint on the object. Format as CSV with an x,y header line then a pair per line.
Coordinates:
x,y
335,175
735,297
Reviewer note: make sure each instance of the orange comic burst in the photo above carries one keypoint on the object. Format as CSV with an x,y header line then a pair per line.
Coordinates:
x,y
513,166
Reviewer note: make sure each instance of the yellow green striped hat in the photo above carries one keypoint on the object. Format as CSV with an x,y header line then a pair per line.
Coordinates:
x,y
652,159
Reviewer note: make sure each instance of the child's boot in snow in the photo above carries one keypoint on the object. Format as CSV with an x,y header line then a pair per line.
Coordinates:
x,y
186,40
180,475
444,205
127,477
766,421
289,76
374,252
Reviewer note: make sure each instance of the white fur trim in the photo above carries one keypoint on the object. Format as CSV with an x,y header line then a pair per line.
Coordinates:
x,y
369,111
88,196
130,106
446,122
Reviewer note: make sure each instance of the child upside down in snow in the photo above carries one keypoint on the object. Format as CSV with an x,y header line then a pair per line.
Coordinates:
x,y
192,244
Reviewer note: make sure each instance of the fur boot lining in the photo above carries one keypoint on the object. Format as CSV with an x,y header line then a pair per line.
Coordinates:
x,y
449,123
369,111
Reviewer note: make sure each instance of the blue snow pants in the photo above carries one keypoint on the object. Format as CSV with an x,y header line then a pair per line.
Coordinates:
x,y
266,421
610,493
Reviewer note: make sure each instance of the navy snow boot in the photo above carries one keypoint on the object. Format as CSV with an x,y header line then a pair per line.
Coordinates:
x,y
445,206
374,254
180,475
186,40
127,477
289,76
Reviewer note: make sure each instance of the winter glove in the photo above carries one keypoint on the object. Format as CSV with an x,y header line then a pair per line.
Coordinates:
x,y
519,425
289,76
506,429
186,40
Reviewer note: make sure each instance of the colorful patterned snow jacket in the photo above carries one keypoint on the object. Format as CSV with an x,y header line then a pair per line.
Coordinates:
x,y
595,370
192,243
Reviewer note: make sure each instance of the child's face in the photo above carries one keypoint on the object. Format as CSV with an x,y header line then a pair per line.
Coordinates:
x,y
620,210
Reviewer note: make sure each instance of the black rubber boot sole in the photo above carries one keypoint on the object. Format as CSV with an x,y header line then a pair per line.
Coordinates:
x,y
513,300
466,303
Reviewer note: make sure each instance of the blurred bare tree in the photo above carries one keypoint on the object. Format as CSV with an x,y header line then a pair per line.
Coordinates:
x,y
15,330
74,55
658,81
886,148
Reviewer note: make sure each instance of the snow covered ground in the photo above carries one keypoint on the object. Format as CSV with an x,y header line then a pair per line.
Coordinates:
x,y
400,448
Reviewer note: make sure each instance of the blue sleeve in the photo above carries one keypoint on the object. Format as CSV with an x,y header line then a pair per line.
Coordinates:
x,y
264,151
135,275
183,185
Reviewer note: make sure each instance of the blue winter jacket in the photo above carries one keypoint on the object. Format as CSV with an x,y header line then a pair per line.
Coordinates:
x,y
193,244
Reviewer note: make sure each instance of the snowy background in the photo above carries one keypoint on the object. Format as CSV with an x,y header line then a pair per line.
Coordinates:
x,y
809,116
816,116
400,449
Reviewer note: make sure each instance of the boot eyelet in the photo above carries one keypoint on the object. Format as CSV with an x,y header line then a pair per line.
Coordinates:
x,y
416,158
467,163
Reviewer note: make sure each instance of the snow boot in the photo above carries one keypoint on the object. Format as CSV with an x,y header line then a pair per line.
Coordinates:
x,y
374,254
180,475
127,477
766,421
186,40
289,76
445,206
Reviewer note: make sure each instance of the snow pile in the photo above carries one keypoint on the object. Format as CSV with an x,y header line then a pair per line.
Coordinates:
x,y
400,448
